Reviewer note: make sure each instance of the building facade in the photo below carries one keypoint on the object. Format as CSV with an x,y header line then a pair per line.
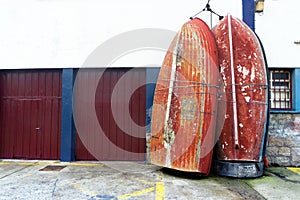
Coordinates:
x,y
47,72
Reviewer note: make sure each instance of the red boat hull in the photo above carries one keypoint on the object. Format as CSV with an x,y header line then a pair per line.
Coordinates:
x,y
184,110
243,73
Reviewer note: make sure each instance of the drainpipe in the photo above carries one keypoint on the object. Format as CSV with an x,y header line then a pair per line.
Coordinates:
x,y
249,13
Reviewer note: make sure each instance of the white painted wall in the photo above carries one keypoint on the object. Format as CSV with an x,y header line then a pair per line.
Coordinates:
x,y
62,33
278,28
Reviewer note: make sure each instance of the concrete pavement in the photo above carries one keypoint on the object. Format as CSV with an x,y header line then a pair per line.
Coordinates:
x,y
127,180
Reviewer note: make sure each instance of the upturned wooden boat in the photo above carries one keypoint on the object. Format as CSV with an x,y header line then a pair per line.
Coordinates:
x,y
240,149
185,101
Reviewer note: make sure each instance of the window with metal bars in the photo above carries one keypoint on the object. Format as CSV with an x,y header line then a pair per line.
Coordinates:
x,y
280,89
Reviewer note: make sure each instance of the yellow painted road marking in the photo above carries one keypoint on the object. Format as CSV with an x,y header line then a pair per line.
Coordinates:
x,y
126,196
137,193
19,163
52,163
4,163
160,187
28,174
26,163
294,169
83,164
159,191
144,181
84,189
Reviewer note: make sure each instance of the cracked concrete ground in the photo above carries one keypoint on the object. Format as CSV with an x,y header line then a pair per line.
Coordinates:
x,y
127,180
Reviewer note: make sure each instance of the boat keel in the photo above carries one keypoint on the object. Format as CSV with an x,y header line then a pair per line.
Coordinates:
x,y
246,169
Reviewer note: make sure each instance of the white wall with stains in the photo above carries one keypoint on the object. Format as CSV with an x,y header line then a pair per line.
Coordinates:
x,y
62,33
278,29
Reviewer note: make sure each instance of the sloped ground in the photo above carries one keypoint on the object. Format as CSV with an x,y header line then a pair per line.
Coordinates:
x,y
125,180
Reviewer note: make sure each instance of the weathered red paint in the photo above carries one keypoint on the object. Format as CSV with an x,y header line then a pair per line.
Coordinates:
x,y
30,114
120,140
184,110
244,76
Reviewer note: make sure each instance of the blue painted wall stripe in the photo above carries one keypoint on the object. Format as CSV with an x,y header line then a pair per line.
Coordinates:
x,y
151,79
67,147
249,13
296,88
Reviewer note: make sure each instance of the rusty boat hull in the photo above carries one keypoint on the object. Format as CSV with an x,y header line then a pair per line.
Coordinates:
x,y
185,102
240,148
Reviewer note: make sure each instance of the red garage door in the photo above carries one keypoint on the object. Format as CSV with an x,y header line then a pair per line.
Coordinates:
x,y
110,114
30,114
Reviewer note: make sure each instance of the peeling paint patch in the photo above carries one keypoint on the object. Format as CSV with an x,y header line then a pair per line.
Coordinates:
x,y
247,99
188,107
243,70
244,88
252,77
169,134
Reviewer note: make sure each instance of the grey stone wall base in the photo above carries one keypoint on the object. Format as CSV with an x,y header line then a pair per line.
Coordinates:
x,y
283,148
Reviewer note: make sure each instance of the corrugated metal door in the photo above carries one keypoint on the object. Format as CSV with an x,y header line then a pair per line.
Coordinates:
x,y
120,139
30,114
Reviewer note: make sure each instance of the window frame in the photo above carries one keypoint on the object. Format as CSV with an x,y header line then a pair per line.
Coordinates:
x,y
281,89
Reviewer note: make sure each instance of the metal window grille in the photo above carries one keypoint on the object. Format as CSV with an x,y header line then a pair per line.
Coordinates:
x,y
280,89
